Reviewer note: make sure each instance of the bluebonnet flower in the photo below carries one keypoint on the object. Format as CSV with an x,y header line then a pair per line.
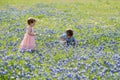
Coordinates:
x,y
48,79
5,58
14,65
108,64
19,67
5,72
79,27
118,64
84,77
2,69
17,24
11,43
29,50
47,44
69,75
10,67
0,57
39,73
14,49
45,74
77,77
18,57
0,44
93,70
28,65
87,66
94,78
15,43
102,74
22,50
2,51
6,63
83,57
28,76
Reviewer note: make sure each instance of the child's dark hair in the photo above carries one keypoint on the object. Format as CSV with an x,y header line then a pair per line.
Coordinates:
x,y
31,20
69,32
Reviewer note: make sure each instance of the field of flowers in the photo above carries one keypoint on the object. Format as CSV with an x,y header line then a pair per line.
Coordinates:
x,y
96,25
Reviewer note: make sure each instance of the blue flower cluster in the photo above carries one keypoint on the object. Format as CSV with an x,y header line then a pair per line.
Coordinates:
x,y
97,56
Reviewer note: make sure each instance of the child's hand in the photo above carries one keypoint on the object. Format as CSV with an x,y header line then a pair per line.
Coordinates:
x,y
32,34
63,41
36,34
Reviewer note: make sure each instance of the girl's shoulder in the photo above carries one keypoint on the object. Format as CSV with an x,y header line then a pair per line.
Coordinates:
x,y
29,28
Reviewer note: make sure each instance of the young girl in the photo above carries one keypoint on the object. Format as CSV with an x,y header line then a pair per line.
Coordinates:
x,y
68,38
28,42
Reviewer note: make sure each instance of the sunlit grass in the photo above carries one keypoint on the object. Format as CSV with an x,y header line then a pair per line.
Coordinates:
x,y
95,24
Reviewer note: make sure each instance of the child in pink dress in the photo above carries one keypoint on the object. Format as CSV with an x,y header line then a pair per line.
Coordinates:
x,y
28,42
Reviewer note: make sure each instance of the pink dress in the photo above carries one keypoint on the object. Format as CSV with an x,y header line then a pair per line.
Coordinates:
x,y
28,41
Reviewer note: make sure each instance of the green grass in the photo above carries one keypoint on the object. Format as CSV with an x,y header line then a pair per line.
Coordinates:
x,y
64,14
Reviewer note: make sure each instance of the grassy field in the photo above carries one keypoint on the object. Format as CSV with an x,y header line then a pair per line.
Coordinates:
x,y
96,25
